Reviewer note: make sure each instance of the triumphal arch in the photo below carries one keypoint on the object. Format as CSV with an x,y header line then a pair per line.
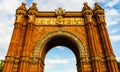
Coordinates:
x,y
36,32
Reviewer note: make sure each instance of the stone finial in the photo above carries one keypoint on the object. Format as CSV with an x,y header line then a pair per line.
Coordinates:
x,y
23,4
22,7
86,7
97,7
34,3
86,3
96,3
33,7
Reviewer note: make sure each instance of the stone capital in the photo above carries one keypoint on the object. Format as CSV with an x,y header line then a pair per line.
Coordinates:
x,y
24,59
88,15
9,59
110,58
95,58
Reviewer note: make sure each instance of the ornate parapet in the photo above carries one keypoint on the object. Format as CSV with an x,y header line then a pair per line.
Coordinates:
x,y
59,16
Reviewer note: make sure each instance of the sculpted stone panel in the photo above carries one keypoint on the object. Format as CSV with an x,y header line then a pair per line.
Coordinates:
x,y
63,21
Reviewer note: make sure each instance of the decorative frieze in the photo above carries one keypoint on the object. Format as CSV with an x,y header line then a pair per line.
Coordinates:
x,y
60,20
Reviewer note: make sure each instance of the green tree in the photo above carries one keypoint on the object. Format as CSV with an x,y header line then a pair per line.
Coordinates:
x,y
118,65
1,65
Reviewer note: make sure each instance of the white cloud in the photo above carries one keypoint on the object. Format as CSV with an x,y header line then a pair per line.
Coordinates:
x,y
114,31
57,57
112,17
10,6
57,61
65,4
112,3
119,51
72,70
111,22
60,47
7,15
112,12
115,38
51,63
118,54
118,58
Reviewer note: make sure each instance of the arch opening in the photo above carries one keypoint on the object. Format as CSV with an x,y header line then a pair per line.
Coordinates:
x,y
60,58
61,41
60,38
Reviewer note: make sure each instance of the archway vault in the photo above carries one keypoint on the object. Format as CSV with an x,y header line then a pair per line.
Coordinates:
x,y
56,38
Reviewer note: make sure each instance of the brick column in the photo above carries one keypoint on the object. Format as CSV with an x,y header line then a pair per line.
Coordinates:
x,y
81,64
80,67
24,60
40,67
95,57
13,47
110,57
28,39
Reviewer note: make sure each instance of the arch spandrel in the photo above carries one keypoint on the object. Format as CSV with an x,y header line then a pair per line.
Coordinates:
x,y
41,43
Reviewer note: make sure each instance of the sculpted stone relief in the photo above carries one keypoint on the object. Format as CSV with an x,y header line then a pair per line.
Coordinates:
x,y
62,21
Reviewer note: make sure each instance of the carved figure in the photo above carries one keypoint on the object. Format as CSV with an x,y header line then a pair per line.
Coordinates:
x,y
60,11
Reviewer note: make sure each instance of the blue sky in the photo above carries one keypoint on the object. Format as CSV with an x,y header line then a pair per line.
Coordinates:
x,y
60,59
7,17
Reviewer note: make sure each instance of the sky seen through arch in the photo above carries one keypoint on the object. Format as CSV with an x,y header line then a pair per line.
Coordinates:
x,y
60,59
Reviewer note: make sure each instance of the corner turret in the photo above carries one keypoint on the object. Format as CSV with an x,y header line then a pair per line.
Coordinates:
x,y
21,14
99,13
87,13
32,13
